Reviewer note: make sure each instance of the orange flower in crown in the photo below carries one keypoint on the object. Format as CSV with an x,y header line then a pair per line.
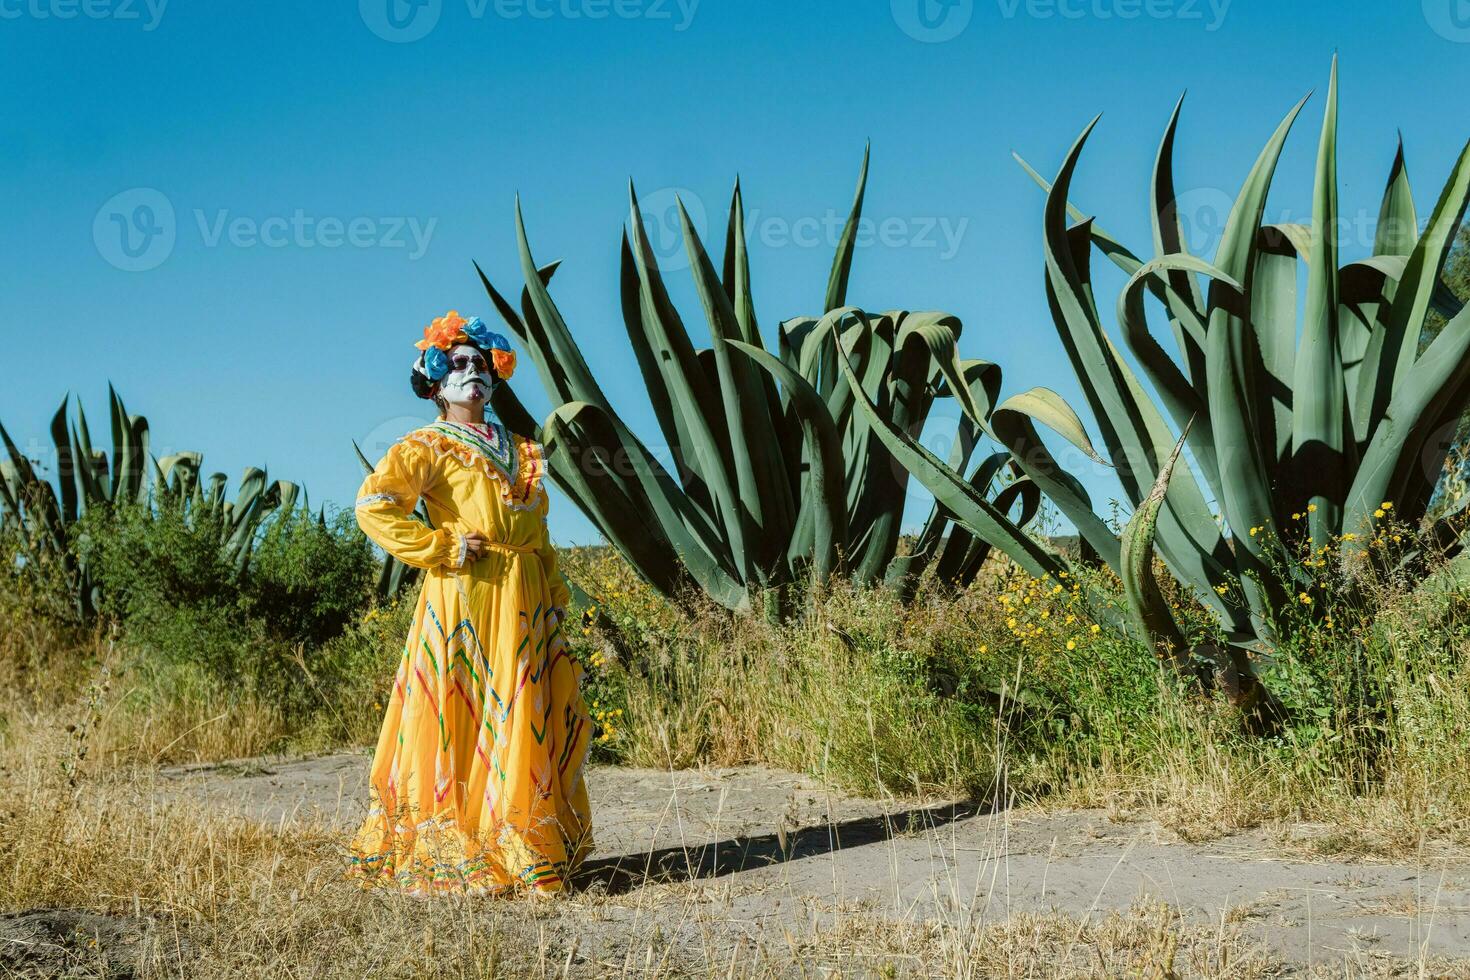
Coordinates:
x,y
444,332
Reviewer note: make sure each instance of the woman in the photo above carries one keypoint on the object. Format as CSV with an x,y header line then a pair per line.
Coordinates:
x,y
477,780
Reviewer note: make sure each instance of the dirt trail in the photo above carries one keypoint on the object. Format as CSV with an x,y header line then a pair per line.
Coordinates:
x,y
770,847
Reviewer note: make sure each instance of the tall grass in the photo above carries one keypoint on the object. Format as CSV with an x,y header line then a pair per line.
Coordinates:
x,y
1012,690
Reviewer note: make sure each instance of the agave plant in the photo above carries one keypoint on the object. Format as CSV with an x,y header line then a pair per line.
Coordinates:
x,y
1304,429
87,477
777,474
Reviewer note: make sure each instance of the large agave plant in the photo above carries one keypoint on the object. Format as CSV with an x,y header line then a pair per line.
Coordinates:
x,y
1304,426
776,472
88,477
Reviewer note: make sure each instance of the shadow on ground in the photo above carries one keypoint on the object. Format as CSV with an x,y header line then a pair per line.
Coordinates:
x,y
626,872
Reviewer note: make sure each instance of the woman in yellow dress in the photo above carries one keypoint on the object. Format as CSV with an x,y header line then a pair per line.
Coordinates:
x,y
477,781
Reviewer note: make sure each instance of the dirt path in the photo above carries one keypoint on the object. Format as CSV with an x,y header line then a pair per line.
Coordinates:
x,y
770,847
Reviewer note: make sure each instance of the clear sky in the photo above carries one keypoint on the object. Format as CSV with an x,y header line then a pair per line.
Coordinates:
x,y
243,213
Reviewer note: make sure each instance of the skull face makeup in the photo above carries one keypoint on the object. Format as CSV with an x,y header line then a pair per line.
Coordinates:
x,y
469,380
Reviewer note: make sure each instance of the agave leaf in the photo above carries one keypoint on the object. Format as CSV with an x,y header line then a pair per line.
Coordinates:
x,y
66,475
737,287
1145,599
1436,390
1180,292
1392,350
1014,428
939,333
1273,296
1394,238
692,395
968,506
847,244
1136,435
1239,400
1105,242
641,515
1321,433
765,500
563,355
824,494
1180,397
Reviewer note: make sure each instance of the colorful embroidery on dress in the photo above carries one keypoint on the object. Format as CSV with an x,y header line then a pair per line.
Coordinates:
x,y
516,464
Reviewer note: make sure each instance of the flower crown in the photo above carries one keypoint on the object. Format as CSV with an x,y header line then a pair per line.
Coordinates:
x,y
451,329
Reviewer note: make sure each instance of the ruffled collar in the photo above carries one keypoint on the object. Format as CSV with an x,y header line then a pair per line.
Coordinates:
x,y
516,464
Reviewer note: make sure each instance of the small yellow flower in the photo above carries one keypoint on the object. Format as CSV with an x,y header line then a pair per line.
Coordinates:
x,y
1311,508
1350,536
1222,589
1304,599
984,648
1379,513
1071,644
1095,628
1255,531
1386,505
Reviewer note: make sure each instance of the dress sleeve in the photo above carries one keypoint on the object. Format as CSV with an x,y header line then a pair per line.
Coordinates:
x,y
386,500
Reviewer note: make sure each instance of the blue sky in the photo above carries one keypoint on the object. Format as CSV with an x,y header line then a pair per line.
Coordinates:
x,y
315,178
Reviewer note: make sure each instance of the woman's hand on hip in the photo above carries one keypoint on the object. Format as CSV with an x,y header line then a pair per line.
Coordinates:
x,y
475,546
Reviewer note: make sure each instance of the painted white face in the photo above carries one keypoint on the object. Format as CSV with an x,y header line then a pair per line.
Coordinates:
x,y
469,380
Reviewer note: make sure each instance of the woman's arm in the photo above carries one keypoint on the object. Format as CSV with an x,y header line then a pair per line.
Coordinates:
x,y
388,497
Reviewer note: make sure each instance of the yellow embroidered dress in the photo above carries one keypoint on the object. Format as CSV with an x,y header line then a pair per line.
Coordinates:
x,y
477,780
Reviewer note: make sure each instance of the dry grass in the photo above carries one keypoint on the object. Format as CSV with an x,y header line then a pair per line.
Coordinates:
x,y
189,893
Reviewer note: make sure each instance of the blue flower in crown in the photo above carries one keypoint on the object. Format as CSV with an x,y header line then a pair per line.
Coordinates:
x,y
436,364
483,337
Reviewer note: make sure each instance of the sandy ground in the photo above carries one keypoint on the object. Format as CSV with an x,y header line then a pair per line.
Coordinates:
x,y
766,850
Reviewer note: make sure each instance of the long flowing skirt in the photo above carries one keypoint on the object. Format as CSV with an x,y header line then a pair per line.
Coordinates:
x,y
477,781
